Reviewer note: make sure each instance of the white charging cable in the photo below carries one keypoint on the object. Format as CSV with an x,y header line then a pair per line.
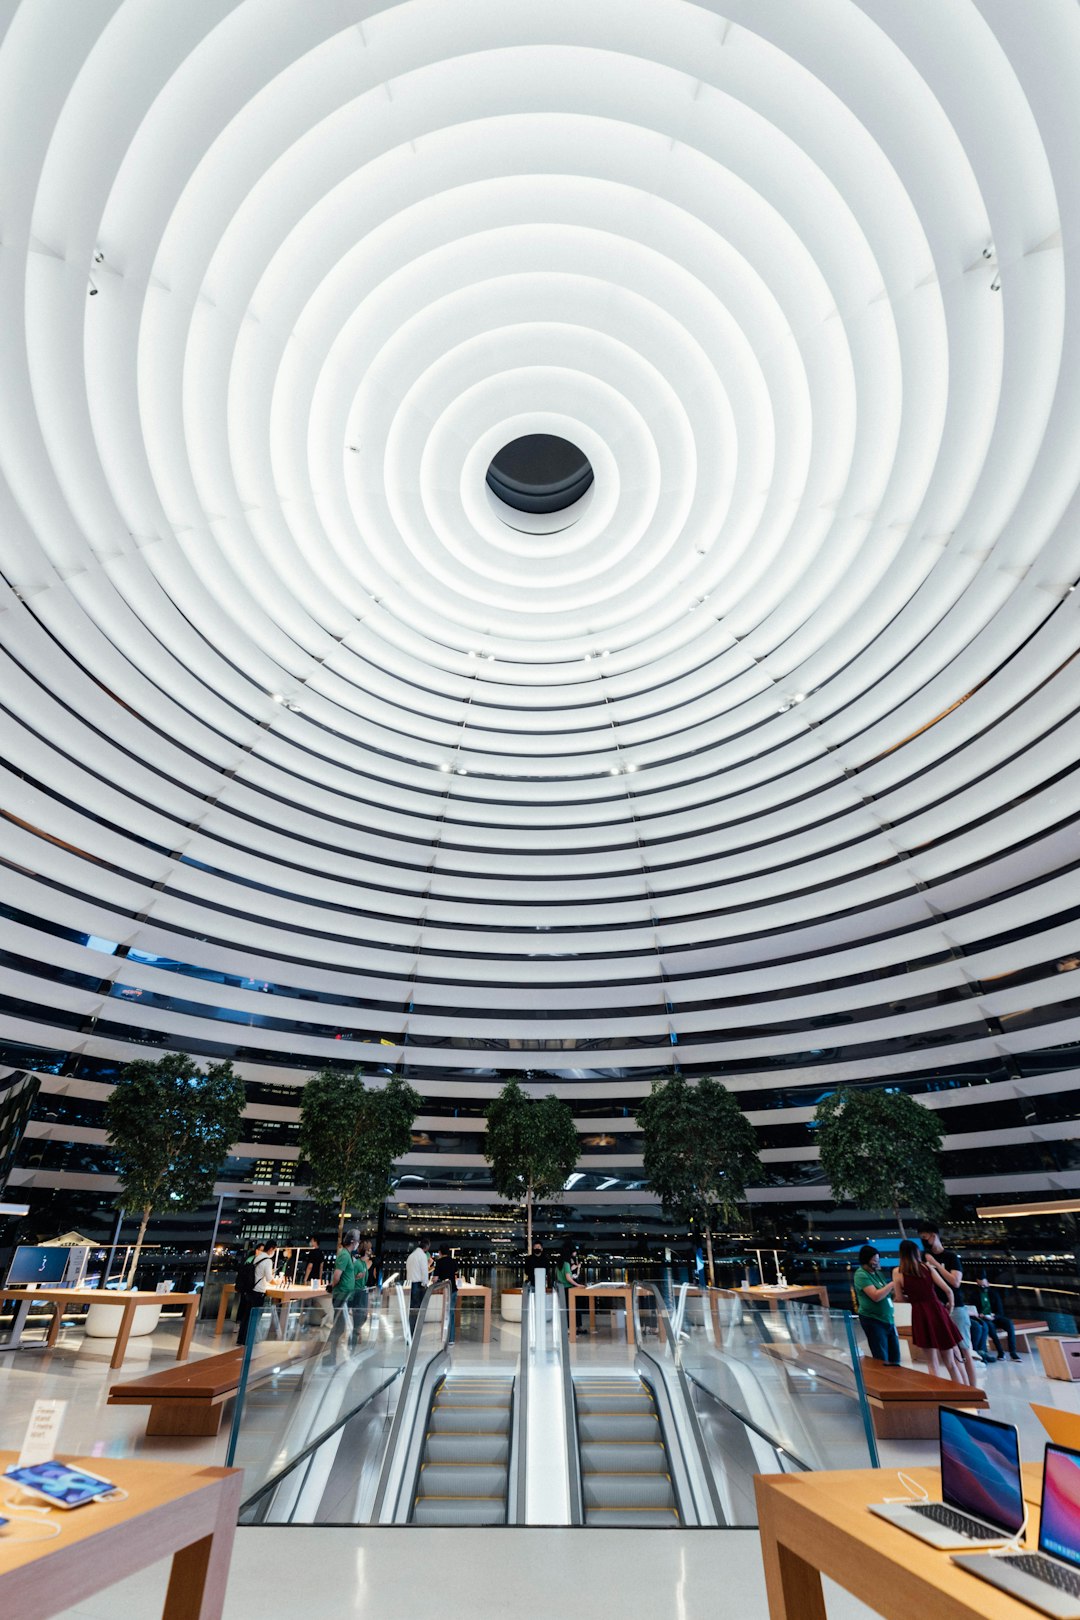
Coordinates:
x,y
916,1492
52,1526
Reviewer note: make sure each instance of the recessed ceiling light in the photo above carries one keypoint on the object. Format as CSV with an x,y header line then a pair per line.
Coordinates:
x,y
614,771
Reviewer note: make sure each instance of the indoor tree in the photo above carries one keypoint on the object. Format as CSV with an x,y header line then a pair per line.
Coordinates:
x,y
879,1150
531,1145
350,1135
170,1125
700,1150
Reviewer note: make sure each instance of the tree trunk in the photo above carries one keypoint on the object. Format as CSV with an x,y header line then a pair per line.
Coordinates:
x,y
899,1221
708,1252
139,1243
340,1224
528,1222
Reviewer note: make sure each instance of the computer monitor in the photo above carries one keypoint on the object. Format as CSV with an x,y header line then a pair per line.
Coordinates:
x,y
980,1468
1059,1524
44,1265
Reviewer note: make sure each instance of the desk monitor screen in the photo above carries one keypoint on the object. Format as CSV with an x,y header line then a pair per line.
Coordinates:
x,y
46,1266
1059,1526
980,1468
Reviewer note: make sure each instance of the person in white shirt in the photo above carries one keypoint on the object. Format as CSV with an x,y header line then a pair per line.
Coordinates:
x,y
259,1272
417,1267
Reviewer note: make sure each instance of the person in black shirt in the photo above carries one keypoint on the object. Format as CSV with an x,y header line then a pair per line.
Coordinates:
x,y
312,1262
445,1270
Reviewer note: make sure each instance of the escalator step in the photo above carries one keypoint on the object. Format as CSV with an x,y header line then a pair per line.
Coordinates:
x,y
623,1457
477,1448
430,1511
630,1404
627,1491
610,1426
471,1420
633,1518
460,1478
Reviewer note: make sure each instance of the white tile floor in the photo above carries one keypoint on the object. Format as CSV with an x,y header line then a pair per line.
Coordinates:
x,y
404,1574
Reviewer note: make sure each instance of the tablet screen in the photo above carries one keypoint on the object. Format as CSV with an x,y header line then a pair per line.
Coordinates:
x,y
67,1487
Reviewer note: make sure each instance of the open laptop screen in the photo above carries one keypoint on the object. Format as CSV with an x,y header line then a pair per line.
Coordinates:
x,y
1059,1526
980,1468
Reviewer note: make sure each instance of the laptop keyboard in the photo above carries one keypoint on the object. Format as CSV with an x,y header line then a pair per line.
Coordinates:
x,y
1048,1570
959,1523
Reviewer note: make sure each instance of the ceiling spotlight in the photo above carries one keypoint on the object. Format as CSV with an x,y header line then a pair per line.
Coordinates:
x,y
798,697
444,766
462,770
631,767
606,653
277,697
355,448
93,290
99,257
293,708
473,653
995,285
614,771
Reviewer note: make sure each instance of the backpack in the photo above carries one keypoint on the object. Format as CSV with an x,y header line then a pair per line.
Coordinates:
x,y
245,1277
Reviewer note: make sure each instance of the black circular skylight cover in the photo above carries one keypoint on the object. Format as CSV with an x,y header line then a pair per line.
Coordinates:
x,y
539,473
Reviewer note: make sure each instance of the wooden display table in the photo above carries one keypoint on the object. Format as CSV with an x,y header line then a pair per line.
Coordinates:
x,y
189,1512
283,1296
122,1299
623,1291
903,1401
474,1291
817,1524
776,1296
1061,1356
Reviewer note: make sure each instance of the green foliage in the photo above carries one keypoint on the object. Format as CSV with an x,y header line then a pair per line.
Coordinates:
x,y
350,1135
532,1146
170,1126
700,1150
879,1150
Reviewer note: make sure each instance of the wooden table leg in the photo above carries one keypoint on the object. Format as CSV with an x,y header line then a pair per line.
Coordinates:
x,y
823,1295
571,1312
283,1318
592,1316
487,1317
126,1319
792,1585
227,1292
184,1348
628,1296
200,1572
54,1325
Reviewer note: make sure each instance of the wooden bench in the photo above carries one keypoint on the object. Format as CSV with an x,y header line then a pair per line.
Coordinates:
x,y
190,1400
903,1403
1023,1329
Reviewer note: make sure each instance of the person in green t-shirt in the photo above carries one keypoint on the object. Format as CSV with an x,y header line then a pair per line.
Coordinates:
x,y
343,1285
872,1291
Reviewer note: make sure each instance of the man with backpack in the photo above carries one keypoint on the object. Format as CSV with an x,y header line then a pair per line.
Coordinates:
x,y
252,1281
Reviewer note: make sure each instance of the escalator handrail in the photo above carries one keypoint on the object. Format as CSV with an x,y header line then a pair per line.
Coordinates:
x,y
443,1290
521,1412
689,1412
561,1335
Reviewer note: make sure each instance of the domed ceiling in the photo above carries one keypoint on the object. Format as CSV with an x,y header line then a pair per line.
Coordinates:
x,y
757,758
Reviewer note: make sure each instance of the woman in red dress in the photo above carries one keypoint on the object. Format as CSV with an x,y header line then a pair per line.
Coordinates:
x,y
932,1328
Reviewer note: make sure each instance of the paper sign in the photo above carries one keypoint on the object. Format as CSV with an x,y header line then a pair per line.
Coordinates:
x,y
39,1443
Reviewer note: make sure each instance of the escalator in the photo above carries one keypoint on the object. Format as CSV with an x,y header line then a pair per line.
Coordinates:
x,y
626,1475
464,1472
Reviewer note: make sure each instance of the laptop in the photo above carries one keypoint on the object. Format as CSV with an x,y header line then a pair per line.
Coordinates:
x,y
982,1499
1050,1578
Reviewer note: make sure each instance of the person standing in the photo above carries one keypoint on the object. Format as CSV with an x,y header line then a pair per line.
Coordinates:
x,y
873,1297
365,1272
445,1270
932,1328
417,1268
311,1262
252,1281
342,1284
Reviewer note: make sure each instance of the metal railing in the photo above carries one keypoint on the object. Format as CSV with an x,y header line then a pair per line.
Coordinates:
x,y
516,1506
685,1415
393,1464
560,1336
